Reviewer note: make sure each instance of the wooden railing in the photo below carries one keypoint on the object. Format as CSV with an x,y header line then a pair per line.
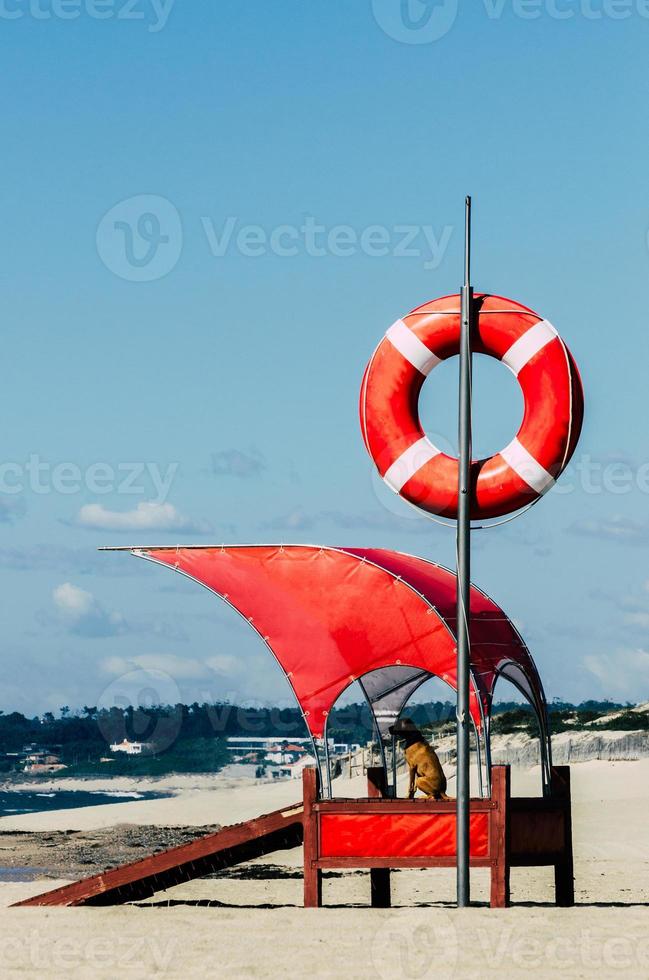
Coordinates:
x,y
380,834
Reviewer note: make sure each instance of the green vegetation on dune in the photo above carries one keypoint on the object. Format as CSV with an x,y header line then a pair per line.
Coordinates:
x,y
584,717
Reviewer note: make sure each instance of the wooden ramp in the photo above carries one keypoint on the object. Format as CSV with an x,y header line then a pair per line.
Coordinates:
x,y
275,831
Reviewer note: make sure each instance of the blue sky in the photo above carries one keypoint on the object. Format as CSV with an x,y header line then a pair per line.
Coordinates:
x,y
195,377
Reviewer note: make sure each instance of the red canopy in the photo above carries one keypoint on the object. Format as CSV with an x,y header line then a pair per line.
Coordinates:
x,y
331,615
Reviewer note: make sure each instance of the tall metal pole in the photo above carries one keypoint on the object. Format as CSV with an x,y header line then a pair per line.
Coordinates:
x,y
464,574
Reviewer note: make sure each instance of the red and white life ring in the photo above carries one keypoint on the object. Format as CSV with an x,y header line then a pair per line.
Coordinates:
x,y
554,403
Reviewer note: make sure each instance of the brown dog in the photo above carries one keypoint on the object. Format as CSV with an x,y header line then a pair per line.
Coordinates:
x,y
426,773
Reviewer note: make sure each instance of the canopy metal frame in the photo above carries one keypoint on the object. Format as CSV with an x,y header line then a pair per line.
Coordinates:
x,y
385,709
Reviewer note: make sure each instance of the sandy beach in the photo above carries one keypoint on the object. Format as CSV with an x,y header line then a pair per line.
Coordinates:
x,y
248,922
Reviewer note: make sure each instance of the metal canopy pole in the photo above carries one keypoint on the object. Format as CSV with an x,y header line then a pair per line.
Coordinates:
x,y
464,575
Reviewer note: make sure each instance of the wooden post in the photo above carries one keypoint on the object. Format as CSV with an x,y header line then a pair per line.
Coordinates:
x,y
312,874
499,837
379,877
564,875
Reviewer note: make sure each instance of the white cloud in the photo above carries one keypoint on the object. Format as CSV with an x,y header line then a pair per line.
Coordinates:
x,y
147,516
72,600
295,520
640,619
617,528
166,663
223,663
624,673
83,614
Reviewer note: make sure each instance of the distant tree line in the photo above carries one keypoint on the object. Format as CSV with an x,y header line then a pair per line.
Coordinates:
x,y
191,738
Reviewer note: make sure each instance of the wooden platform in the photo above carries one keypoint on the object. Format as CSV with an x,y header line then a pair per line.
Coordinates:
x,y
374,833
275,831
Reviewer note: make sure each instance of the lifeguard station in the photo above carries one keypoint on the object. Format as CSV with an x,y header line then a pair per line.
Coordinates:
x,y
390,621
330,617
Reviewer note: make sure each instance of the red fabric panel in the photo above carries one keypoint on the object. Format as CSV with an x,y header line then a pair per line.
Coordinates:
x,y
327,616
494,639
331,615
397,835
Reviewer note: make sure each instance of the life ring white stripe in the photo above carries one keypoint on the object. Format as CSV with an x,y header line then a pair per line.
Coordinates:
x,y
409,463
411,347
533,340
525,466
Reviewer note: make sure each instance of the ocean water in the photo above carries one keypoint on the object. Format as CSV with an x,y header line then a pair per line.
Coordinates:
x,y
27,801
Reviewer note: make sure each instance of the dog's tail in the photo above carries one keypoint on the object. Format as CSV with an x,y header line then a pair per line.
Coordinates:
x,y
445,798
